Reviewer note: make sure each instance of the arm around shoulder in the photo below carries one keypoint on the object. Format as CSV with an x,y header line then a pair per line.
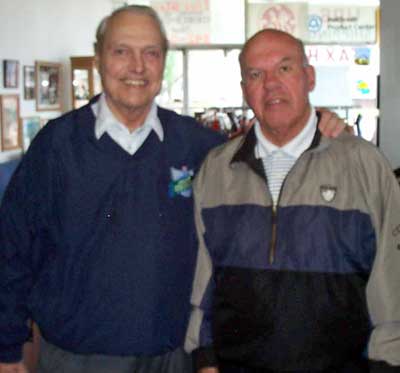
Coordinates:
x,y
330,124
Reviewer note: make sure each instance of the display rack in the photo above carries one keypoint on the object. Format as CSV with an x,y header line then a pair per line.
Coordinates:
x,y
231,121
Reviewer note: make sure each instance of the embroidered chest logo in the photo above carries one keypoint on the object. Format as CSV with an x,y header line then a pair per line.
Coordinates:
x,y
328,192
181,182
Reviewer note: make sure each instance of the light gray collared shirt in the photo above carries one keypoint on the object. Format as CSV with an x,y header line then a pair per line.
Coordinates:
x,y
295,147
129,141
277,160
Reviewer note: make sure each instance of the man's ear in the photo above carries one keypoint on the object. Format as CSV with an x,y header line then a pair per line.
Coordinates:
x,y
310,71
243,86
97,61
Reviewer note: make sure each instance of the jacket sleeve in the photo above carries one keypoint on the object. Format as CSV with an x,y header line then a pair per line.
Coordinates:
x,y
15,274
383,294
17,227
199,334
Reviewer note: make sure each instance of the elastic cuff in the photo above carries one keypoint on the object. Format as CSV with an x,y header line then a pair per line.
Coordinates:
x,y
204,357
10,354
382,367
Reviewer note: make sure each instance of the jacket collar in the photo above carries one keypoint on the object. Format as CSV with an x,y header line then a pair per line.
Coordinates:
x,y
245,153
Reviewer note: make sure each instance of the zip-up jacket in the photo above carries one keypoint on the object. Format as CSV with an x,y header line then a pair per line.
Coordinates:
x,y
98,246
310,284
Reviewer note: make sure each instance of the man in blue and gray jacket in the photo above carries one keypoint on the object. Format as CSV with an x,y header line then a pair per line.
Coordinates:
x,y
299,260
97,238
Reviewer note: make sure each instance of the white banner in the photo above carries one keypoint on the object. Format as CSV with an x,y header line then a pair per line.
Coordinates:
x,y
333,24
341,24
330,55
287,17
186,21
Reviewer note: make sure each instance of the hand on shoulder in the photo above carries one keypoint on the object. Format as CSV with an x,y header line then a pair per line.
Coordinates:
x,y
331,125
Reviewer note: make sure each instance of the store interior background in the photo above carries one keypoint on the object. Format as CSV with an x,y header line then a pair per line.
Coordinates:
x,y
200,77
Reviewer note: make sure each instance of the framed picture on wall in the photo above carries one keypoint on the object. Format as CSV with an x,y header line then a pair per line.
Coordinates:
x,y
48,86
30,128
10,123
29,82
10,73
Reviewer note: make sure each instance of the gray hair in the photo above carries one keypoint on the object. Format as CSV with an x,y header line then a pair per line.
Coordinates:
x,y
136,9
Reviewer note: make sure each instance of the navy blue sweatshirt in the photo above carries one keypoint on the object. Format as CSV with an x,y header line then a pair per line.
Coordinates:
x,y
98,246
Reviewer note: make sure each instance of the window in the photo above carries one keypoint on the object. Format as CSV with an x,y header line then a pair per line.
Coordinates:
x,y
213,79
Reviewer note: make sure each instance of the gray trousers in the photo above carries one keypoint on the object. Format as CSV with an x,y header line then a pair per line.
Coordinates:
x,y
55,360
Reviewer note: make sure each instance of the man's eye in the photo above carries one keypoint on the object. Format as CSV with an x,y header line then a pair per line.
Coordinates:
x,y
254,75
153,53
285,68
120,51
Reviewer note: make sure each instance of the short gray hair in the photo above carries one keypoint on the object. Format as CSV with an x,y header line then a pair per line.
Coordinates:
x,y
136,9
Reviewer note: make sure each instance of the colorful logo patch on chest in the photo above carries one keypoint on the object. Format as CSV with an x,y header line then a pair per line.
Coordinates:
x,y
181,182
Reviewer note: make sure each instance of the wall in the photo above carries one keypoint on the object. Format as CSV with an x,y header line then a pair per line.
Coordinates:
x,y
54,30
390,82
47,30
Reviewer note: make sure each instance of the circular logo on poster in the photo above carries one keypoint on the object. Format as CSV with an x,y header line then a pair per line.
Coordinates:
x,y
279,17
314,23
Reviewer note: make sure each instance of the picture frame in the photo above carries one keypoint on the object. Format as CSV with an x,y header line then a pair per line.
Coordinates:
x,y
30,127
29,82
10,122
10,73
48,86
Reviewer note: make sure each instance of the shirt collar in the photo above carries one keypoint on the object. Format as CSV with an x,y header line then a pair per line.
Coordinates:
x,y
105,119
293,148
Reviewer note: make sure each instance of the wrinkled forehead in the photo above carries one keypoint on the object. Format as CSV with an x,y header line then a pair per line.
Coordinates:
x,y
134,26
272,47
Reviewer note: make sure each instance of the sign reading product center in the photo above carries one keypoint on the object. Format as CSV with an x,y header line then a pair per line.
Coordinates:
x,y
314,23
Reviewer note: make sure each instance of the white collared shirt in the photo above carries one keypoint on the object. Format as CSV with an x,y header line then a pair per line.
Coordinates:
x,y
277,160
129,141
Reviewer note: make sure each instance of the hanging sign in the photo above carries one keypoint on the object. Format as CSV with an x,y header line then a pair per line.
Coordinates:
x,y
187,21
288,17
327,55
341,24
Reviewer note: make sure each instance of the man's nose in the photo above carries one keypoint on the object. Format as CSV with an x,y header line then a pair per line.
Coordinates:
x,y
271,79
136,62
